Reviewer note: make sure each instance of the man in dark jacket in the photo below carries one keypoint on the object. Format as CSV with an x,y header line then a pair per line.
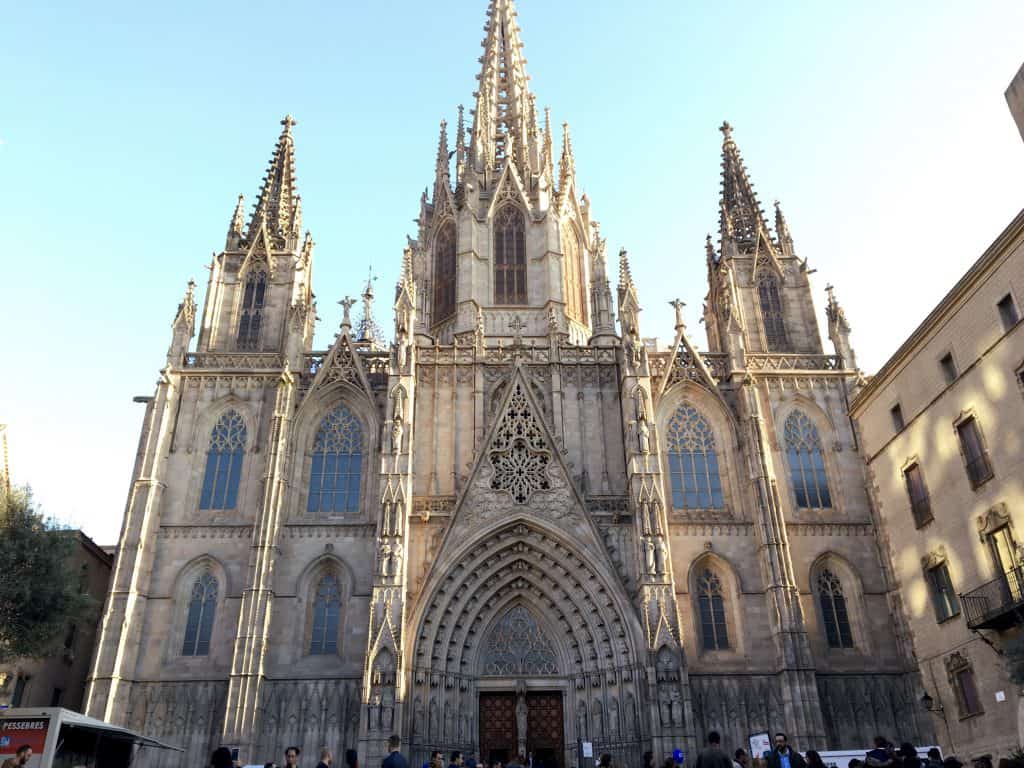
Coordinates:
x,y
395,759
712,755
783,756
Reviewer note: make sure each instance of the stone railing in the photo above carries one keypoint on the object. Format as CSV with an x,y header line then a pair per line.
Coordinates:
x,y
790,362
234,360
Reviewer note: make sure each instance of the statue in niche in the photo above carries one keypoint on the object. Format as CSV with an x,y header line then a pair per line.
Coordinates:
x,y
661,557
649,555
373,715
385,559
521,715
397,430
396,559
387,712
644,436
676,707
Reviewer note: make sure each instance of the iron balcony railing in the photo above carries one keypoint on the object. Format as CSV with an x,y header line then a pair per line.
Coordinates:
x,y
997,604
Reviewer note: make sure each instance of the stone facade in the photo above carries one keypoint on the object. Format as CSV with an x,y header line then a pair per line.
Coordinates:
x,y
550,515
59,680
952,516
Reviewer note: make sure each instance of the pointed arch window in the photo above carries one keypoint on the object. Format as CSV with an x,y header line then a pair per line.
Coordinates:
x,y
806,462
326,616
444,272
834,614
710,601
771,314
202,608
250,321
224,463
337,465
693,461
509,256
575,283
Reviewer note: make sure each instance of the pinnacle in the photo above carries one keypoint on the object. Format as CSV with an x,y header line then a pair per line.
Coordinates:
x,y
741,214
277,205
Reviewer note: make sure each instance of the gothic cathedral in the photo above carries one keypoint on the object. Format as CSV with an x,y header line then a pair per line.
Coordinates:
x,y
522,522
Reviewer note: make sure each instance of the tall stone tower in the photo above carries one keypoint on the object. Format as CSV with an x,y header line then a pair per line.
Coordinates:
x,y
518,525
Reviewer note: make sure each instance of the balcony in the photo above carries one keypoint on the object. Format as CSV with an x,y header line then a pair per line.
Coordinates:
x,y
998,604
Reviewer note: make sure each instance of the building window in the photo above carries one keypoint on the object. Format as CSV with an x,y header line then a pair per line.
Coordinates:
x,y
326,615
444,273
806,462
897,417
833,611
920,505
575,284
714,632
961,678
19,690
251,319
976,460
693,461
944,597
948,366
1008,312
771,315
337,464
202,607
224,463
509,256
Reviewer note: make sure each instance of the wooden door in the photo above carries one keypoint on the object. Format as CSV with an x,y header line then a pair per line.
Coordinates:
x,y
545,738
497,727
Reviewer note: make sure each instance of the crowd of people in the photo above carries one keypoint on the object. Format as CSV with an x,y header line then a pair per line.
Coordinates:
x,y
885,754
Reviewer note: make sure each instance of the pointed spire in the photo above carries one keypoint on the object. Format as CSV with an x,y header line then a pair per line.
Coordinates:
x,y
709,250
276,205
782,232
567,164
442,174
839,330
238,219
187,307
741,214
460,146
367,330
183,327
625,274
503,97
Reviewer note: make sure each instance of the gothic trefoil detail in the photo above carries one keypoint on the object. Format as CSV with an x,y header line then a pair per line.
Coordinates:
x,y
518,453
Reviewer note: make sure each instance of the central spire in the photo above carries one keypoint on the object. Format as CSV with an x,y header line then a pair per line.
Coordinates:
x,y
278,204
505,120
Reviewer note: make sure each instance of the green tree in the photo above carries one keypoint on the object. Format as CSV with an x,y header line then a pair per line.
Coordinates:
x,y
40,590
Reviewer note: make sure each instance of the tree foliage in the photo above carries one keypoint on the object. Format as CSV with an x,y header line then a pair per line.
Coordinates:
x,y
41,594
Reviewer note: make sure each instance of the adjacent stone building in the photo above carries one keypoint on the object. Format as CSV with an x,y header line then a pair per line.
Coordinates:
x,y
518,524
942,425
59,680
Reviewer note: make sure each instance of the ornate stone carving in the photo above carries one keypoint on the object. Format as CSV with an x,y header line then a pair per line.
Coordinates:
x,y
519,454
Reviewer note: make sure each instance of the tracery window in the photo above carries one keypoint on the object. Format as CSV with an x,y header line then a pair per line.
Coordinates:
x,y
509,256
575,284
224,462
693,461
714,632
806,462
202,608
833,611
771,314
251,318
337,464
444,272
326,616
517,646
519,454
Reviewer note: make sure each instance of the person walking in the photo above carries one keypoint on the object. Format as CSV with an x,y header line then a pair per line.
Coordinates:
x,y
740,759
351,758
395,759
907,756
326,758
291,757
712,755
783,756
934,758
23,754
456,761
814,759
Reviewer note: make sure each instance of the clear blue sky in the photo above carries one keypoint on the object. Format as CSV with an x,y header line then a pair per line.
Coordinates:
x,y
127,130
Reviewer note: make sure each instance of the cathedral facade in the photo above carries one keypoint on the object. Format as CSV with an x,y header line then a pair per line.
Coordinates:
x,y
519,524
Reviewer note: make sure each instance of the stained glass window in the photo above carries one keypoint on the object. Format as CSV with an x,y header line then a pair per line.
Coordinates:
x,y
326,615
714,632
833,611
337,464
771,314
224,462
444,272
253,298
806,462
693,461
509,256
575,284
202,608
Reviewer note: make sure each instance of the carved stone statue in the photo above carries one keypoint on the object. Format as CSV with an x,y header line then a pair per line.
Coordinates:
x,y
644,436
677,707
397,430
396,559
649,555
661,555
385,559
521,715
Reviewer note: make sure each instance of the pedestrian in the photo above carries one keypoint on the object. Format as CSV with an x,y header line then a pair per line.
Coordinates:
x,y
855,762
952,762
519,761
291,757
740,759
668,762
395,759
456,761
712,755
648,760
221,758
605,761
907,756
471,761
783,756
934,758
21,757
326,758
351,758
814,759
